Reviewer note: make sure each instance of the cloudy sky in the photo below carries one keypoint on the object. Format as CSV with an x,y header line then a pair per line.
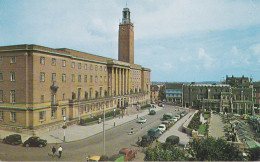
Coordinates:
x,y
179,40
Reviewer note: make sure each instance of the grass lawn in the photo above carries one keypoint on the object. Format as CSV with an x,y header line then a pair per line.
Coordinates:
x,y
202,129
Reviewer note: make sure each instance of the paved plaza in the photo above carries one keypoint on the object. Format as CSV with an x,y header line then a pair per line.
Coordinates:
x,y
216,127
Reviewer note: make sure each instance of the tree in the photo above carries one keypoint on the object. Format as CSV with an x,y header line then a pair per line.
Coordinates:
x,y
162,153
254,154
162,94
211,149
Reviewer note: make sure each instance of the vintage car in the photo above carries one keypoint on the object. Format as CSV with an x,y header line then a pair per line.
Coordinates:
x,y
35,141
13,139
141,120
128,153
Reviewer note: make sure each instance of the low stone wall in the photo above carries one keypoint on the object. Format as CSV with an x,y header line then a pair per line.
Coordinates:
x,y
185,125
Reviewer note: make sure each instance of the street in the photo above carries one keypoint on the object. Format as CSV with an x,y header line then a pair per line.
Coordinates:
x,y
116,138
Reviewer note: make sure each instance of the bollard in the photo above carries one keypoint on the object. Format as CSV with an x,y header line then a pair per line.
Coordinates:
x,y
114,124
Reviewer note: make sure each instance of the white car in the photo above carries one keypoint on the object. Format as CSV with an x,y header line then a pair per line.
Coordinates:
x,y
175,119
162,127
141,120
178,116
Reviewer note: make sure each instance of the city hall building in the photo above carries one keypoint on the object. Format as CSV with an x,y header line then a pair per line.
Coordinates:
x,y
40,85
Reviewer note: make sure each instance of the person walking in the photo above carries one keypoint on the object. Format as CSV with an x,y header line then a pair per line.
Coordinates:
x,y
60,151
53,151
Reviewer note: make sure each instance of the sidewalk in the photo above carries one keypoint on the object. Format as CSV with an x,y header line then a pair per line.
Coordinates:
x,y
216,127
77,132
176,129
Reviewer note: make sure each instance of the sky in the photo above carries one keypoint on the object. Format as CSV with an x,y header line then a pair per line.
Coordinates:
x,y
179,40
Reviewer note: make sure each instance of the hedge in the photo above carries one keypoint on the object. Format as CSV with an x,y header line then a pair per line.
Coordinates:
x,y
96,118
145,106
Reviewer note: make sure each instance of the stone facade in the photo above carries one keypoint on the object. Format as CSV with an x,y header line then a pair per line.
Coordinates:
x,y
41,85
154,92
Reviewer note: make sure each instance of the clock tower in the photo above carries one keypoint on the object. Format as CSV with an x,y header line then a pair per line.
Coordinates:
x,y
126,38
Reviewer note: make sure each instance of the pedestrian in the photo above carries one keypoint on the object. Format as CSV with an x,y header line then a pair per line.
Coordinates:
x,y
60,151
53,151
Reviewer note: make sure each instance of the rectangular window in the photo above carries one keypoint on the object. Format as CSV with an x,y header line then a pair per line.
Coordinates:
x,y
42,77
1,77
91,78
63,77
96,67
101,80
100,68
63,111
91,66
53,61
53,77
73,64
42,98
42,60
86,66
90,92
53,113
1,59
12,59
79,78
1,96
42,115
63,63
73,78
100,91
105,69
63,96
105,79
12,96
96,79
1,115
12,76
79,65
85,78
13,116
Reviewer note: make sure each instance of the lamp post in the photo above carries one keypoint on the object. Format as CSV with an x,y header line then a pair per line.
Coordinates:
x,y
64,127
104,131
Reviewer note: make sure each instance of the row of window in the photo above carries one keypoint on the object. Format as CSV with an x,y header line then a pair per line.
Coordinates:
x,y
73,64
53,78
174,95
12,96
12,76
12,116
12,59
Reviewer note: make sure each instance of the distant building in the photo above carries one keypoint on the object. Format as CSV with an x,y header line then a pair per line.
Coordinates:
x,y
235,97
154,92
256,95
174,92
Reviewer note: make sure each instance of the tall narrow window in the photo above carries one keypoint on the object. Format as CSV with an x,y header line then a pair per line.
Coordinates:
x,y
53,61
1,96
96,79
91,78
79,78
105,79
63,111
42,76
100,68
100,91
1,77
63,63
73,65
90,92
73,78
13,116
42,115
53,113
63,96
101,80
53,77
79,65
85,78
42,98
86,66
63,77
12,76
12,96
1,59
1,115
42,60
91,66
12,59
79,93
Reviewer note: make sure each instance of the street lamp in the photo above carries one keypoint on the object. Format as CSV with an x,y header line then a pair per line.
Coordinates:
x,y
64,127
104,137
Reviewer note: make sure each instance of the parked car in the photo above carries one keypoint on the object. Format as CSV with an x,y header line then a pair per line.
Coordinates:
x,y
175,119
152,112
35,141
128,153
178,116
172,140
141,120
13,139
146,141
166,123
167,116
162,128
154,133
171,120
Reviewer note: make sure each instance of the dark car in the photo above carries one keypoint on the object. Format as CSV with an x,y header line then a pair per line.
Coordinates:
x,y
35,141
154,133
152,112
14,139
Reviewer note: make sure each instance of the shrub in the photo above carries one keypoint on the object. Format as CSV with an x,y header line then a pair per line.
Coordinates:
x,y
96,118
145,106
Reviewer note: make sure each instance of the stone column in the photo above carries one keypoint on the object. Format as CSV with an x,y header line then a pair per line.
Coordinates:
x,y
116,81
128,79
112,82
120,81
123,81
